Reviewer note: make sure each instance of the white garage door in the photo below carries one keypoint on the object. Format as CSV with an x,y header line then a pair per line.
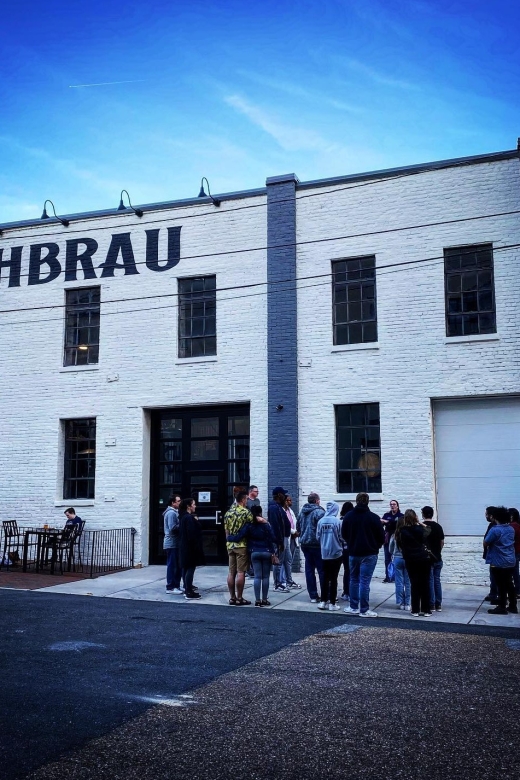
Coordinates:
x,y
477,460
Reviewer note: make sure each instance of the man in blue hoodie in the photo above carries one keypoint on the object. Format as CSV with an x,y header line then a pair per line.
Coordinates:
x,y
171,547
365,535
306,525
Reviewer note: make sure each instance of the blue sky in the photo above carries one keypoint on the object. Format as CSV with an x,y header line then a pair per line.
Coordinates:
x,y
237,91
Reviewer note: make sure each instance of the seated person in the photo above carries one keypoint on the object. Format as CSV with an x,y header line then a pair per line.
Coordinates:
x,y
72,518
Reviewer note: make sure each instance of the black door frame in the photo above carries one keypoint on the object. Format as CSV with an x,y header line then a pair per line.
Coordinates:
x,y
159,491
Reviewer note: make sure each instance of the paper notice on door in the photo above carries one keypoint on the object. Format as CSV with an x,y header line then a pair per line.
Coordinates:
x,y
204,498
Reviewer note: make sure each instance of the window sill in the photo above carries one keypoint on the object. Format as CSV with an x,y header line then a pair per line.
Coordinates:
x,y
355,347
73,369
203,359
469,339
76,502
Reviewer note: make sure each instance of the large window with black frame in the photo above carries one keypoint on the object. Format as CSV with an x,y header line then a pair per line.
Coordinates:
x,y
354,300
358,448
80,458
197,317
82,313
469,287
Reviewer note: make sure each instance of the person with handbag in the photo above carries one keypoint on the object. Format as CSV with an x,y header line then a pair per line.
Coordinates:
x,y
411,538
402,580
261,545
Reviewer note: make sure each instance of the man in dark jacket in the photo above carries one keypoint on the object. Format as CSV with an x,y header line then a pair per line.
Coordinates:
x,y
364,534
278,520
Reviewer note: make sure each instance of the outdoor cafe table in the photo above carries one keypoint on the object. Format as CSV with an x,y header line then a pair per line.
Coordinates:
x,y
46,539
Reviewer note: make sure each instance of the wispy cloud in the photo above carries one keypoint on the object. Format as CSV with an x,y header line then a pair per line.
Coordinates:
x,y
106,83
297,91
375,75
289,137
64,165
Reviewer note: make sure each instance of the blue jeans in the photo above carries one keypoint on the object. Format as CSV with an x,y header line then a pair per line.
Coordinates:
x,y
516,574
361,571
262,568
279,568
435,584
313,563
173,568
402,582
388,558
287,561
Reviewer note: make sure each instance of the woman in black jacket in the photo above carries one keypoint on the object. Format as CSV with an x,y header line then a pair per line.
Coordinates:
x,y
411,540
190,544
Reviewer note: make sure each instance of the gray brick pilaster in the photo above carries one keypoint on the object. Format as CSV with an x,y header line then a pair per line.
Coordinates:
x,y
282,347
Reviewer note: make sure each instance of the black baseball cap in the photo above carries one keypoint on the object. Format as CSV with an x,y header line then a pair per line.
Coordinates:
x,y
280,489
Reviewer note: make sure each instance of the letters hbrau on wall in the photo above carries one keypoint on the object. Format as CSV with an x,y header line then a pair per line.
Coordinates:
x,y
46,259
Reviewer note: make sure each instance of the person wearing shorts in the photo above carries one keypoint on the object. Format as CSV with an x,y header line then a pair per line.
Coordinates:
x,y
235,518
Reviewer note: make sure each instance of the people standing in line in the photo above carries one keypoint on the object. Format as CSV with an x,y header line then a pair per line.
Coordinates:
x,y
402,580
499,546
364,534
328,533
261,546
492,596
190,545
306,525
236,517
389,521
292,520
252,500
411,538
515,522
290,536
279,522
435,543
171,546
345,509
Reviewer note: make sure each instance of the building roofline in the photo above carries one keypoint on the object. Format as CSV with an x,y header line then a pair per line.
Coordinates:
x,y
410,169
170,204
241,194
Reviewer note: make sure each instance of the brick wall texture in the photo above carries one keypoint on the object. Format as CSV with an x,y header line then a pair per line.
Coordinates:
x,y
410,365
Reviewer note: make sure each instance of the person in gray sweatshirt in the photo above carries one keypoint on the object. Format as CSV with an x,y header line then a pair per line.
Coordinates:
x,y
306,525
328,534
171,546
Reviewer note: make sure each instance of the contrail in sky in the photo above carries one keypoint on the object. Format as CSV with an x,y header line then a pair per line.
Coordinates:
x,y
105,83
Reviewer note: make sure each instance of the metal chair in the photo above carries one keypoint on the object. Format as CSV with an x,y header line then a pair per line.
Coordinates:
x,y
13,538
65,543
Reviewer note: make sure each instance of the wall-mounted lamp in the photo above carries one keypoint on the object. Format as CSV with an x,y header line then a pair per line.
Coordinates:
x,y
279,407
122,206
64,222
202,194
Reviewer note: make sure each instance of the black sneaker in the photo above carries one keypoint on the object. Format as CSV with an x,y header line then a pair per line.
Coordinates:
x,y
191,596
497,611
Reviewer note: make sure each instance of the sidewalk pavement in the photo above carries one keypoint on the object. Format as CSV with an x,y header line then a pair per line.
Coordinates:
x,y
462,604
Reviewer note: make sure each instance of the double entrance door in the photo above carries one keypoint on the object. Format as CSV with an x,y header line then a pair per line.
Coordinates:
x,y
200,453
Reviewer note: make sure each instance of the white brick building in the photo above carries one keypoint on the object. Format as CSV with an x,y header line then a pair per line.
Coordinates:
x,y
446,407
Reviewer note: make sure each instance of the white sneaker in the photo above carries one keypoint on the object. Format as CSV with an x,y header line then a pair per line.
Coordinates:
x,y
322,605
178,591
350,611
334,607
408,608
368,613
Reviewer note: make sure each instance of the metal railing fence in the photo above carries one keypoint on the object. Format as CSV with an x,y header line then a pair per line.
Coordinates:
x,y
93,552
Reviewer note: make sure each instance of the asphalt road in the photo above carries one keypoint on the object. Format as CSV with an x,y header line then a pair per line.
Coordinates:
x,y
74,669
